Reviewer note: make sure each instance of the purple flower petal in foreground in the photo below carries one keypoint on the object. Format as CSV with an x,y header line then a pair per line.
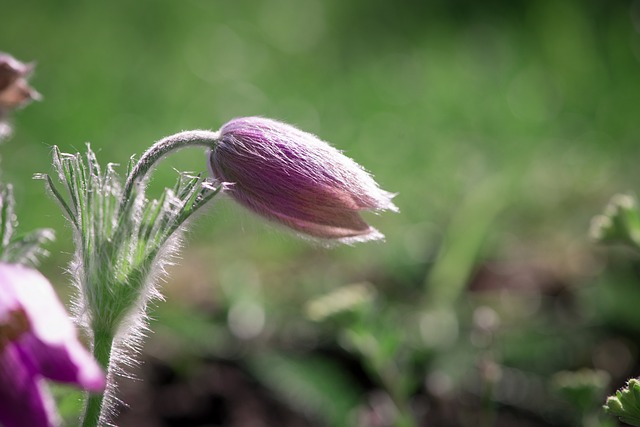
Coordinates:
x,y
294,178
37,340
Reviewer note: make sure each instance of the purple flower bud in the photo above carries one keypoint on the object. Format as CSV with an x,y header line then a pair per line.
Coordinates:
x,y
37,340
294,178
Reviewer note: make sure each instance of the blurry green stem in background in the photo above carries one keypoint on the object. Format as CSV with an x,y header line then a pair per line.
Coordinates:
x,y
463,241
404,416
384,354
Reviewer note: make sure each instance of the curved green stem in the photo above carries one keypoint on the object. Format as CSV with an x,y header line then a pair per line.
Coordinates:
x,y
163,147
404,417
203,138
102,353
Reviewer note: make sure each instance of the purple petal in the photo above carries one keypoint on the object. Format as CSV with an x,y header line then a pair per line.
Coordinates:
x,y
317,210
24,400
67,363
51,346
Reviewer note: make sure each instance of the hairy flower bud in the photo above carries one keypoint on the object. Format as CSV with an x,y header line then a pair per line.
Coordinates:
x,y
294,178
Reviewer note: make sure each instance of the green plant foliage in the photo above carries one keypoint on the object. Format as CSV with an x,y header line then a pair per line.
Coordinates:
x,y
620,222
18,248
119,239
626,403
583,389
311,384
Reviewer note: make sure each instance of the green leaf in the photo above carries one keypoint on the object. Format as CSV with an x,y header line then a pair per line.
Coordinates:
x,y
620,222
310,384
123,240
463,241
626,403
582,389
19,248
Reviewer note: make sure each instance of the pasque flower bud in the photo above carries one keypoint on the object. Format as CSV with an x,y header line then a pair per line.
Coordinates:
x,y
294,178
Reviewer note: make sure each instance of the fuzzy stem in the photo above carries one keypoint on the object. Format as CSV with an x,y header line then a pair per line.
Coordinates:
x,y
404,417
163,147
103,337
102,345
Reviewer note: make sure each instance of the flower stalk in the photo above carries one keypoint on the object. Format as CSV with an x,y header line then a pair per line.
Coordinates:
x,y
162,148
102,345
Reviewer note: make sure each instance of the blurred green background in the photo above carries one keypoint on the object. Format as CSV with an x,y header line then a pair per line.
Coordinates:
x,y
503,126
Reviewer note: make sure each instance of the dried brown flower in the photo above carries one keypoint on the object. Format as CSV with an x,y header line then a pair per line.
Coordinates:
x,y
14,88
